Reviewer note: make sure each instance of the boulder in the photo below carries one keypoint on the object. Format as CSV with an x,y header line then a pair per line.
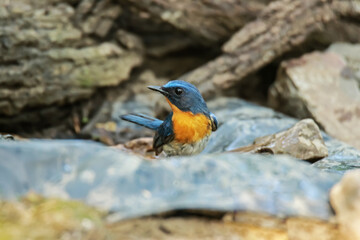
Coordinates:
x,y
315,86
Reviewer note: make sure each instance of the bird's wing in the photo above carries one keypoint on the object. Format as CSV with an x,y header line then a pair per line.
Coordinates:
x,y
164,134
214,122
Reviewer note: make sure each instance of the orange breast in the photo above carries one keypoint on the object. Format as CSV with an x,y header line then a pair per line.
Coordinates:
x,y
189,127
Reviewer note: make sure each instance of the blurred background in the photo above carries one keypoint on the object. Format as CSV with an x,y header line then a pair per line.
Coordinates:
x,y
70,68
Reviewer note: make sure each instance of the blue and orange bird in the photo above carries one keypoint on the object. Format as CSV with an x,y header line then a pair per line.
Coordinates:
x,y
187,129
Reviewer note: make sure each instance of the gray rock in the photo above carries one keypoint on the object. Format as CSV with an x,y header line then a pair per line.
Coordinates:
x,y
241,123
130,40
341,158
127,129
130,187
136,98
139,100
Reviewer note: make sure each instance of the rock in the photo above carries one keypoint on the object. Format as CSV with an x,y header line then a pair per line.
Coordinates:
x,y
193,17
263,226
201,228
106,125
47,60
282,197
242,122
131,41
303,141
138,100
303,229
6,137
314,86
115,130
34,217
129,186
104,132
282,28
341,157
345,199
190,228
351,54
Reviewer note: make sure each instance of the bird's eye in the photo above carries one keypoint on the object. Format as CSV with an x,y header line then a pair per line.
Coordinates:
x,y
178,91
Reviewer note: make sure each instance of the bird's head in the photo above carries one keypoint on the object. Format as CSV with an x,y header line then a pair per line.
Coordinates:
x,y
184,96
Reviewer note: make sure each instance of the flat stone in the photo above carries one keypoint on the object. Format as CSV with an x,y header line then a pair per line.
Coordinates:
x,y
129,186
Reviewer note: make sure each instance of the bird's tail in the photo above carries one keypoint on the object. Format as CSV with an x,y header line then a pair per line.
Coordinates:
x,y
143,120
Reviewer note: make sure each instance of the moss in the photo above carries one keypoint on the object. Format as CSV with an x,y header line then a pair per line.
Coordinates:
x,y
107,73
86,77
35,217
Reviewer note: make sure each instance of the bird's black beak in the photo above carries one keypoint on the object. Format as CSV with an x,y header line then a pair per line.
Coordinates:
x,y
159,89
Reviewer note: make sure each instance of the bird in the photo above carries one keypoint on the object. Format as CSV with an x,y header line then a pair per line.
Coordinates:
x,y
187,128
